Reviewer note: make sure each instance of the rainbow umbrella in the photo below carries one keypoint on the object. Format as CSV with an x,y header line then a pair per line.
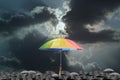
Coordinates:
x,y
60,44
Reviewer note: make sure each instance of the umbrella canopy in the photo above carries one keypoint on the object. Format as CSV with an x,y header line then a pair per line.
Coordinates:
x,y
74,74
60,44
54,75
114,74
24,72
39,74
108,70
32,72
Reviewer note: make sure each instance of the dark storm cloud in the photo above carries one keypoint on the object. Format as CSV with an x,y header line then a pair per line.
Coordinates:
x,y
79,32
85,12
19,5
9,62
10,22
27,5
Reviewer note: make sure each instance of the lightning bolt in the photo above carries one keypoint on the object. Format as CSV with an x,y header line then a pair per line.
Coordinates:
x,y
60,29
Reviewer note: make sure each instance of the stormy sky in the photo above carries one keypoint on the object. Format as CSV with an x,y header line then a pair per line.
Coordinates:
x,y
26,24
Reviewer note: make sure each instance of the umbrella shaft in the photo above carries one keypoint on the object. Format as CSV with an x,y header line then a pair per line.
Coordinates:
x,y
60,59
60,67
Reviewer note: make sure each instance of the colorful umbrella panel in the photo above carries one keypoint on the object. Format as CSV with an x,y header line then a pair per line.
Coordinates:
x,y
60,44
